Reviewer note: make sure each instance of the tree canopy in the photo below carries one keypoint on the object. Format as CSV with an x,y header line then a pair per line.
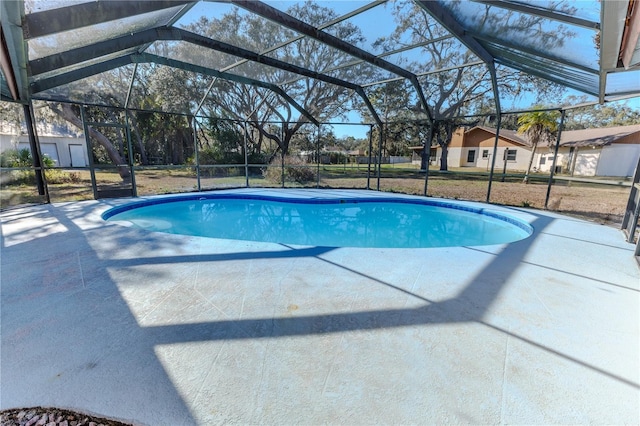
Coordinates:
x,y
232,117
539,127
262,108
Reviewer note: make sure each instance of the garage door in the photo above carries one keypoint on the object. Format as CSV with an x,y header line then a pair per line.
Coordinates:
x,y
77,155
48,149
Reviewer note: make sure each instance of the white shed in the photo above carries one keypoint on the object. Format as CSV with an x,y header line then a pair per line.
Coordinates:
x,y
65,151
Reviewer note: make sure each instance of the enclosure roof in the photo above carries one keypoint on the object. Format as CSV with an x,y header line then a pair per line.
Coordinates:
x,y
590,46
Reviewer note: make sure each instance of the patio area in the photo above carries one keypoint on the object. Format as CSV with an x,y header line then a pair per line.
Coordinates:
x,y
160,329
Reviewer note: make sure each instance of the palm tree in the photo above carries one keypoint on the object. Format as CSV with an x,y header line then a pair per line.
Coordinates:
x,y
537,126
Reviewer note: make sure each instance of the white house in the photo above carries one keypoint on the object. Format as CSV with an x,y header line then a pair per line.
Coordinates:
x,y
64,148
607,151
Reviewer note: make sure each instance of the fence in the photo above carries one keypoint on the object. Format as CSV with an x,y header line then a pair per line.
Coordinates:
x,y
176,153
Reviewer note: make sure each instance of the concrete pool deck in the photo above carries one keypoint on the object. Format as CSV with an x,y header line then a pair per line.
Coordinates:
x,y
163,329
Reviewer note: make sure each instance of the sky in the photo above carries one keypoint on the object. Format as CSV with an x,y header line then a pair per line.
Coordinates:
x,y
376,23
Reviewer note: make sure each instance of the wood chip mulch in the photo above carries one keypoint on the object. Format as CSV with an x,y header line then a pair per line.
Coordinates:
x,y
47,416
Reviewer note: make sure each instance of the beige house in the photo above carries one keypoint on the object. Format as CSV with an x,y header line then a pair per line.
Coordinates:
x,y
608,151
474,148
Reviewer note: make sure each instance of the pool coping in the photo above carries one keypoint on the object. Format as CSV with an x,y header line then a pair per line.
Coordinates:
x,y
288,197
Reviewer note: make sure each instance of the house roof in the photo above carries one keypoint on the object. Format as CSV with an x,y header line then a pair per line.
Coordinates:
x,y
597,137
47,130
510,135
578,138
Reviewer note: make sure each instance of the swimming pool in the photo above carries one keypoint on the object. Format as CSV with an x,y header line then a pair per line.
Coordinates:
x,y
383,222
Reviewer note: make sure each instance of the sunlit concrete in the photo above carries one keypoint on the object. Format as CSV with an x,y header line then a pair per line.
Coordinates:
x,y
163,329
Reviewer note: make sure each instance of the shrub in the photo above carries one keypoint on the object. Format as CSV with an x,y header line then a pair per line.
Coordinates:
x,y
22,158
15,158
295,170
18,177
337,158
213,155
60,176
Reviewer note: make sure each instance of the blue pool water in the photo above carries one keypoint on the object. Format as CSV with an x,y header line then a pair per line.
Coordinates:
x,y
358,222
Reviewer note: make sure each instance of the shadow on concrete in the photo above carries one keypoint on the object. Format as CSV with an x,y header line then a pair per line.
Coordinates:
x,y
84,310
60,307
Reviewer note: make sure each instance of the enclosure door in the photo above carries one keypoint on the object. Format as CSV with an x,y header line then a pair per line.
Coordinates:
x,y
108,145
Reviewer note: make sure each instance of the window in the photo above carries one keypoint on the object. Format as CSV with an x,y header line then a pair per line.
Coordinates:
x,y
471,156
511,154
543,160
485,153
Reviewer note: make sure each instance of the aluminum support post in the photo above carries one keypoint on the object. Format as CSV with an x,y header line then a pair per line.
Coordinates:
x,y
318,156
379,155
555,160
370,154
92,169
427,155
496,96
246,155
36,155
134,189
196,152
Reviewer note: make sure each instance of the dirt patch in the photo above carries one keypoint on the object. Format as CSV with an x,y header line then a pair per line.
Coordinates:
x,y
602,204
599,203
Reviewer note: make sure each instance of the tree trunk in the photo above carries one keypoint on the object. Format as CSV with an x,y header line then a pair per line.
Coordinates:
x,y
67,113
533,153
272,137
424,158
574,159
444,165
134,128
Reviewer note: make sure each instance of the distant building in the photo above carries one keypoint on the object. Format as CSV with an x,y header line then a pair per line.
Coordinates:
x,y
607,151
474,148
64,148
